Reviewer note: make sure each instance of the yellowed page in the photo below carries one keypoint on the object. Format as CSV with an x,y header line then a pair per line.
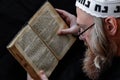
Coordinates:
x,y
38,46
34,51
46,23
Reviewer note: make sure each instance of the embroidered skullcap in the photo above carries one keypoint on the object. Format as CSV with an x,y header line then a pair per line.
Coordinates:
x,y
100,8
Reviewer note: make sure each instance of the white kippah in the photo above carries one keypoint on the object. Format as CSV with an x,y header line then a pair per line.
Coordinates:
x,y
100,8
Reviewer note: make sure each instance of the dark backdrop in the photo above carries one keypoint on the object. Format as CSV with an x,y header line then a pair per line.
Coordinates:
x,y
13,15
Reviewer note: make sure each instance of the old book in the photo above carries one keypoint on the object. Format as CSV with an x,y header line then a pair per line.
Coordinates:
x,y
37,46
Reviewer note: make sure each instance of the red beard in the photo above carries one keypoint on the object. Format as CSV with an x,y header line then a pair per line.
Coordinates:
x,y
89,67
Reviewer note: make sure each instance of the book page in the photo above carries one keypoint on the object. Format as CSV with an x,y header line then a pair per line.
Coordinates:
x,y
38,46
35,51
46,23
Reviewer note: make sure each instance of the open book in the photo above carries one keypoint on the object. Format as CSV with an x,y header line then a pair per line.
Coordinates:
x,y
37,46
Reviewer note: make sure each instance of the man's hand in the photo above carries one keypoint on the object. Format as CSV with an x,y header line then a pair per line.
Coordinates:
x,y
41,74
70,20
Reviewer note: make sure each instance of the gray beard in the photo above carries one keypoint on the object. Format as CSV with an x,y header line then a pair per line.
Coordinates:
x,y
89,67
91,60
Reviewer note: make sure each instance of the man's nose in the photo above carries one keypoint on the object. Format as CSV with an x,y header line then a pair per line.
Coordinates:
x,y
82,37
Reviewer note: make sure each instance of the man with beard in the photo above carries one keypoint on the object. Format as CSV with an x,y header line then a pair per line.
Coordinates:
x,y
98,25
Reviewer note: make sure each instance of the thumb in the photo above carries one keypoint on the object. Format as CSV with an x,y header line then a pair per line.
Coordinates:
x,y
43,75
72,30
65,31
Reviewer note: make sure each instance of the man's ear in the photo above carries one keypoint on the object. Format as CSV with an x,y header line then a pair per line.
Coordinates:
x,y
111,25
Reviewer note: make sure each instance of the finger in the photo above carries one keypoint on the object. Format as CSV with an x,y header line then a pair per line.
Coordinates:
x,y
65,31
42,75
72,30
29,77
62,12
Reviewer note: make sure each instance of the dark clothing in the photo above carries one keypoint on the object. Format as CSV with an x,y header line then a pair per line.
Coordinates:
x,y
112,73
13,15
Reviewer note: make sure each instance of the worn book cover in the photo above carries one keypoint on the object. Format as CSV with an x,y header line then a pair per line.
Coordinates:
x,y
37,46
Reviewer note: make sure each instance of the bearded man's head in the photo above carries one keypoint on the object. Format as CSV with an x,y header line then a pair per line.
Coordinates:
x,y
99,52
